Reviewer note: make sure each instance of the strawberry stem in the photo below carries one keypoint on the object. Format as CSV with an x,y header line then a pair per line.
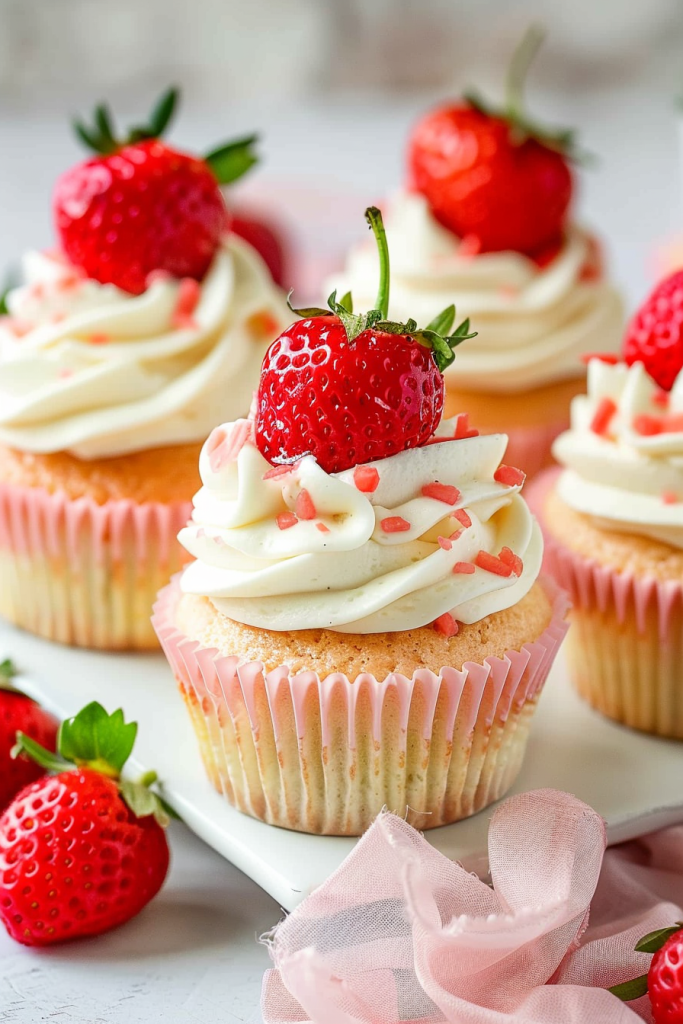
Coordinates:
x,y
374,219
521,61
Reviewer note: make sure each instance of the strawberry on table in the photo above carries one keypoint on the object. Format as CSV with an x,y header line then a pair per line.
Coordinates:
x,y
81,851
664,980
140,205
351,388
492,176
20,714
654,336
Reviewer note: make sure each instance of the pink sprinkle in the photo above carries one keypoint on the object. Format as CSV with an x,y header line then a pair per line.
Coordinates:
x,y
507,291
462,517
446,625
492,564
673,424
514,561
322,527
395,524
457,535
157,275
56,318
68,282
669,498
277,471
304,507
661,398
286,520
37,290
65,373
603,416
647,425
224,446
470,245
189,292
605,357
99,338
366,479
462,427
446,493
19,328
510,476
463,567
445,542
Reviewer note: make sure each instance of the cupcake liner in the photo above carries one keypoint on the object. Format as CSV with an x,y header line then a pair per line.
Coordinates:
x,y
326,755
625,647
82,573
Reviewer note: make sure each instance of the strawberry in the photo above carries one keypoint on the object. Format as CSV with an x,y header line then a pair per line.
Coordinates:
x,y
350,388
492,176
19,713
664,980
140,205
265,240
654,336
81,851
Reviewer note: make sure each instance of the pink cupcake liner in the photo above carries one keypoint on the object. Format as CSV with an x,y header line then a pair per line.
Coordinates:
x,y
82,573
326,755
625,647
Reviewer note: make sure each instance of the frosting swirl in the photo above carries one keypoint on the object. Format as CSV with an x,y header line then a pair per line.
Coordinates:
x,y
353,559
93,370
624,453
533,323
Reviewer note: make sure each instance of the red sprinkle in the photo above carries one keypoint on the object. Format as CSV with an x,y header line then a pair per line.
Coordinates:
x,y
462,517
605,357
276,472
395,524
673,424
647,425
464,567
670,498
445,542
64,373
513,560
446,625
456,535
224,446
462,427
99,338
303,506
492,564
285,520
189,292
603,416
263,324
470,245
366,479
442,492
322,527
510,476
661,398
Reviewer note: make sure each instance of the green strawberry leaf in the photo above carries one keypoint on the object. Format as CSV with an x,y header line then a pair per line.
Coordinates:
x,y
231,161
103,123
347,302
629,990
163,111
144,802
97,740
45,758
7,670
443,323
653,941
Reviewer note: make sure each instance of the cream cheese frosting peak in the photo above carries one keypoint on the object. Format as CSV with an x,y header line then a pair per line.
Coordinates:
x,y
623,454
533,323
93,370
294,547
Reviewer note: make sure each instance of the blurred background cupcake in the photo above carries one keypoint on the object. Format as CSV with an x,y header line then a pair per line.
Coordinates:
x,y
119,351
613,521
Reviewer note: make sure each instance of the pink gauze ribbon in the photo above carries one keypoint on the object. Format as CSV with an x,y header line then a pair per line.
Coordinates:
x,y
401,933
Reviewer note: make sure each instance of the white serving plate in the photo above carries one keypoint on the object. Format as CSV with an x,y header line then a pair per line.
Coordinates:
x,y
633,780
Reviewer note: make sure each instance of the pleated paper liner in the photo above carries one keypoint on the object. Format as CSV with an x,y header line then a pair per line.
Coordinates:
x,y
82,573
326,755
625,645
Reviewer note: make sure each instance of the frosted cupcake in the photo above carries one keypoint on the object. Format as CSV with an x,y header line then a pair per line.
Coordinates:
x,y
614,524
363,624
117,355
486,223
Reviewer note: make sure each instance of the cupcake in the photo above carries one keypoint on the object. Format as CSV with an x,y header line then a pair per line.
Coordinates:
x,y
613,521
486,222
118,353
363,624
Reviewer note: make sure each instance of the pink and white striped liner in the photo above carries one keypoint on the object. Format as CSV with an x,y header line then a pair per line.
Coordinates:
x,y
82,573
325,755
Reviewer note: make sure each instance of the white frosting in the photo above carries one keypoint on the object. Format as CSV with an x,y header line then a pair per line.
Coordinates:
x,y
622,478
90,369
533,323
352,576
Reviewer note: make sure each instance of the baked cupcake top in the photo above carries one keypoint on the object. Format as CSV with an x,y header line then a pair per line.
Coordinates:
x,y
147,326
344,502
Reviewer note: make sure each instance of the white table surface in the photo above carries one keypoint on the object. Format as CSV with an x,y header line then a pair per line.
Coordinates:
x,y
193,958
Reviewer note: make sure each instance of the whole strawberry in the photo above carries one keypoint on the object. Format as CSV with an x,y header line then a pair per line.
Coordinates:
x,y
664,980
493,176
140,205
350,388
81,851
20,714
654,336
